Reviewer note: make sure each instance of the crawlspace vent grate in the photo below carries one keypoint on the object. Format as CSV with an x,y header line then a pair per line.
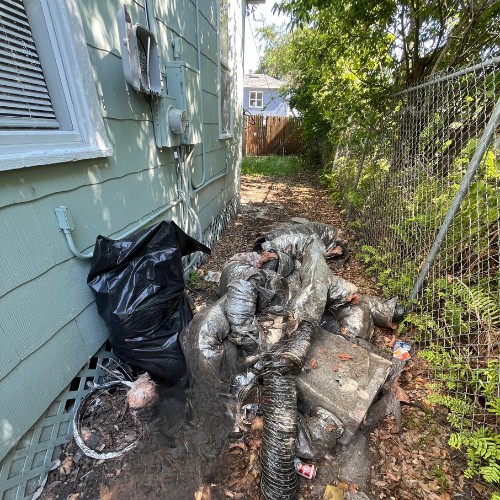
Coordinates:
x,y
25,467
213,232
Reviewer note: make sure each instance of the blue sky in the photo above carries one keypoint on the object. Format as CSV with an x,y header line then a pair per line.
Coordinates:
x,y
262,15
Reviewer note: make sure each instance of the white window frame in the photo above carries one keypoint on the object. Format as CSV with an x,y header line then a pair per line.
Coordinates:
x,y
58,32
255,98
225,69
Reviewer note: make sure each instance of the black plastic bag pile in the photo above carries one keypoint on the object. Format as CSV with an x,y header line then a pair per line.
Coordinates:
x,y
138,285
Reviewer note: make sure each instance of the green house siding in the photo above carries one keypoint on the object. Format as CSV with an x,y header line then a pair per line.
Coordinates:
x,y
49,326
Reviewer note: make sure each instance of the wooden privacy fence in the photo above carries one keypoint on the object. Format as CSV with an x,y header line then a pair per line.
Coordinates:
x,y
267,135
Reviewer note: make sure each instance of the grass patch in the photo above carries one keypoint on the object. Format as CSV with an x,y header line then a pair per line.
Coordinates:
x,y
272,166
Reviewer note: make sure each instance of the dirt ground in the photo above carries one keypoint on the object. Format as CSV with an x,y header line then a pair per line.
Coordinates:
x,y
414,464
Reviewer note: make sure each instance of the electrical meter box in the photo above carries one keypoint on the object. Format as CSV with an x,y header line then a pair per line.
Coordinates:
x,y
183,84
162,107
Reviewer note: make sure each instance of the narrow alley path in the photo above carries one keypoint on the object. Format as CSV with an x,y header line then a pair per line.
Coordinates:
x,y
415,464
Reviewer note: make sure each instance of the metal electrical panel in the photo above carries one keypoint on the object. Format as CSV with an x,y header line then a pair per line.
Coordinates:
x,y
162,107
183,83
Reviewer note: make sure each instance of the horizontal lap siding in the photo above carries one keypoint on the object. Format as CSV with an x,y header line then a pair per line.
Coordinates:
x,y
49,326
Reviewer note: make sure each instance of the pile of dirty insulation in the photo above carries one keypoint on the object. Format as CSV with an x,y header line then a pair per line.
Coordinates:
x,y
175,460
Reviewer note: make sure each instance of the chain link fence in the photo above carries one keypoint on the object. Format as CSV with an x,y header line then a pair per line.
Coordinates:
x,y
423,194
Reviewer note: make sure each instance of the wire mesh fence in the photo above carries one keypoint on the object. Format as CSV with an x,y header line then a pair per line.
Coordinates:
x,y
398,185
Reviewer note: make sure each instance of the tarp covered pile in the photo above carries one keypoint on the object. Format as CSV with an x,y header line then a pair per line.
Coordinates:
x,y
286,328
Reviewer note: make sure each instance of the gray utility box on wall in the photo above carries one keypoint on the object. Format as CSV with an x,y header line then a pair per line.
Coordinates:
x,y
177,110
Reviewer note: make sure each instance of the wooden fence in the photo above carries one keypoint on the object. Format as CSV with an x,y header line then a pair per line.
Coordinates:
x,y
268,135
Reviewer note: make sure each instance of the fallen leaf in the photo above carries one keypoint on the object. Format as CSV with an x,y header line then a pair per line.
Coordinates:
x,y
239,445
345,357
392,477
336,367
257,423
313,363
66,466
479,487
335,251
400,393
342,486
391,342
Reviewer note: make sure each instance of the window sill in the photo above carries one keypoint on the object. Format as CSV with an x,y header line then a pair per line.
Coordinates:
x,y
54,155
223,137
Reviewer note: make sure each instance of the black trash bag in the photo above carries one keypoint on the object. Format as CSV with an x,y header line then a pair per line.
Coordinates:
x,y
138,285
317,434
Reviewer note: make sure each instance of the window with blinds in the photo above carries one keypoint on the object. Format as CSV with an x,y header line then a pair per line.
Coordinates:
x,y
24,98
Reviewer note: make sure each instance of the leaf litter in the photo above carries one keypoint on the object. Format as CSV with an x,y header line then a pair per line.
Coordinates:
x,y
414,464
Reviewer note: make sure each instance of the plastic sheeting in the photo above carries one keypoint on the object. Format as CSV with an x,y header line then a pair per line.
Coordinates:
x,y
234,271
330,322
274,293
356,321
317,434
382,310
293,245
315,275
286,266
329,235
138,285
272,310
251,258
206,345
340,292
241,304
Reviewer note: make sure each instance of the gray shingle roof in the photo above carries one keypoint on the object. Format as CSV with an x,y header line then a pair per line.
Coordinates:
x,y
261,81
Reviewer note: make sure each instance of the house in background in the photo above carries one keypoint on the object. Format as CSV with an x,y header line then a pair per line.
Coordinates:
x,y
93,135
261,96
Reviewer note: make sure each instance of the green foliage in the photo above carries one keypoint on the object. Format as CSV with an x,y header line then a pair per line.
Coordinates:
x,y
481,445
193,279
341,61
482,448
427,36
378,264
272,166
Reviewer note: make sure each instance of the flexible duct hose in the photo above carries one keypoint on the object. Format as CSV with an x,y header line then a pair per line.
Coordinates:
x,y
289,355
279,479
